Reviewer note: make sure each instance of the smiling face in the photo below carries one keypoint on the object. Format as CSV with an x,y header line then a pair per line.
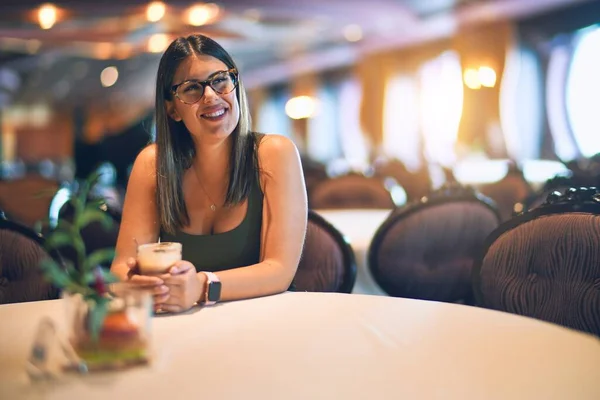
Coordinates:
x,y
214,115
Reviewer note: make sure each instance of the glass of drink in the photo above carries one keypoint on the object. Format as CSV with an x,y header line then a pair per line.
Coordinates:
x,y
157,258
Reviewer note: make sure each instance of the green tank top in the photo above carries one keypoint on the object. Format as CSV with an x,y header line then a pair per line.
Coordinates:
x,y
238,247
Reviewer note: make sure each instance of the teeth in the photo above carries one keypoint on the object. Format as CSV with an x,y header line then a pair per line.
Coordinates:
x,y
216,113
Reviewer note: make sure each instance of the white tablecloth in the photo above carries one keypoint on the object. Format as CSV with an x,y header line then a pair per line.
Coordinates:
x,y
359,226
326,346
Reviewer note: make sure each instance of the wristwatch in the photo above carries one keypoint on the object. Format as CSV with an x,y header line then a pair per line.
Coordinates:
x,y
213,288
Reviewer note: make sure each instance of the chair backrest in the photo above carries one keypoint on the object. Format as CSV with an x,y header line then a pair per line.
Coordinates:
x,y
95,236
21,278
507,192
27,200
351,191
416,184
327,263
545,263
426,249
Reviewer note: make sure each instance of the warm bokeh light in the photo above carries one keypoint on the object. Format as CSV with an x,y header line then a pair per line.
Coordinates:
x,y
158,43
471,78
155,11
353,33
487,76
103,50
300,107
47,15
202,14
109,76
33,45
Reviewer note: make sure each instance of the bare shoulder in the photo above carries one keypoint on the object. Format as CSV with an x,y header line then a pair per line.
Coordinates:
x,y
147,157
277,150
144,167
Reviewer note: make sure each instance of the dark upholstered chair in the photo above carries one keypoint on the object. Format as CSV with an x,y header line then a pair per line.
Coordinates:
x,y
21,278
546,263
327,263
507,192
27,200
426,249
416,184
95,236
351,191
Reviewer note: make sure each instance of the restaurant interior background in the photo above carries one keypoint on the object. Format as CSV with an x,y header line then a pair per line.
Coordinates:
x,y
442,89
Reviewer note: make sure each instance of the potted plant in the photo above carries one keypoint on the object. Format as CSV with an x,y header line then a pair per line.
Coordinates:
x,y
108,322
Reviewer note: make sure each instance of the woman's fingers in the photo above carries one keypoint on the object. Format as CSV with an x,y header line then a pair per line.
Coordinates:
x,y
181,267
146,280
174,308
160,299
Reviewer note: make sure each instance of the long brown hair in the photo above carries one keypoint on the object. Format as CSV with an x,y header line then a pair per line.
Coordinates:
x,y
175,147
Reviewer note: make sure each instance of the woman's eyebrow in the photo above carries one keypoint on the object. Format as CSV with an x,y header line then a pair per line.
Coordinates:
x,y
195,78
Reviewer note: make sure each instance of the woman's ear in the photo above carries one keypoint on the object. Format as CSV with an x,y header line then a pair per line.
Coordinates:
x,y
171,111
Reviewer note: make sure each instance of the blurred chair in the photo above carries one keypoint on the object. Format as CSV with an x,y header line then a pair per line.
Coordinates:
x,y
351,191
94,235
509,191
27,200
21,252
545,263
426,249
416,184
327,263
536,199
314,173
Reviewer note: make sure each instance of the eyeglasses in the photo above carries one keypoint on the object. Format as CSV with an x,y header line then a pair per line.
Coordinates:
x,y
191,91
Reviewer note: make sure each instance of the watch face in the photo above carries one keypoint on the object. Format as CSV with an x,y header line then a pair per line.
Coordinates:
x,y
214,291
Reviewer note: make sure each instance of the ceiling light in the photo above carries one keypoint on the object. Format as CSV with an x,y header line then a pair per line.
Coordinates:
x,y
471,79
158,43
109,76
353,33
202,14
487,76
47,16
300,107
155,11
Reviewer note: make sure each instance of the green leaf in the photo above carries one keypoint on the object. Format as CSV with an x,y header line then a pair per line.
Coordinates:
x,y
90,215
99,257
58,239
96,316
55,274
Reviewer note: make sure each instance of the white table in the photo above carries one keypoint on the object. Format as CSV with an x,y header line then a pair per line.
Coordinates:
x,y
327,346
359,226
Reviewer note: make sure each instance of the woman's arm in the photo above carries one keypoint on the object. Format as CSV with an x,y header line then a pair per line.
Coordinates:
x,y
285,211
139,223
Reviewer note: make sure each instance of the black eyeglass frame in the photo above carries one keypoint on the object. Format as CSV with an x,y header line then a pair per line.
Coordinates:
x,y
208,82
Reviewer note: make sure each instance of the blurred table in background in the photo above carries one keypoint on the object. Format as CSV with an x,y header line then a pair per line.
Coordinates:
x,y
359,226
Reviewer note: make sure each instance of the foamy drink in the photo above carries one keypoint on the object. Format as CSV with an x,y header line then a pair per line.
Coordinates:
x,y
157,258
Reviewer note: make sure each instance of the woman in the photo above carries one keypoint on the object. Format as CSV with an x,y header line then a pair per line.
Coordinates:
x,y
235,199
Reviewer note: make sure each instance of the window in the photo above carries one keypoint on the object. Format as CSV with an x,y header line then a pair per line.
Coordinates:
x,y
401,138
441,103
582,90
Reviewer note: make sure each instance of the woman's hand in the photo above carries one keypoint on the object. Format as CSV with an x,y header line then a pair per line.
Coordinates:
x,y
156,284
185,287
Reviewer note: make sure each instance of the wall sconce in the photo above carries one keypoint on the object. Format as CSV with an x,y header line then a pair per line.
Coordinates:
x,y
476,78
